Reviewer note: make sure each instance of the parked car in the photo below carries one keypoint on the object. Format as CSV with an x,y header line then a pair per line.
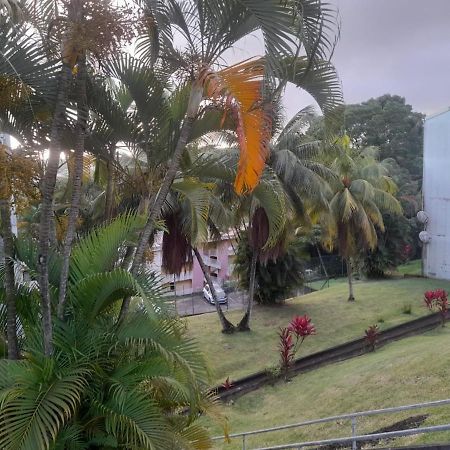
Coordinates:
x,y
222,297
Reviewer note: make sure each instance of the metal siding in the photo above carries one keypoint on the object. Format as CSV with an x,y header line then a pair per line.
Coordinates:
x,y
436,193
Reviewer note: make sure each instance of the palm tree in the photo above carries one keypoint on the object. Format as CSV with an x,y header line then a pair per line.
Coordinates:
x,y
80,134
294,189
193,215
210,28
363,192
12,8
72,28
8,253
139,385
18,176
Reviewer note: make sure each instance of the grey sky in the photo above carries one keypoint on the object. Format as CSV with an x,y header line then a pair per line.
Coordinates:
x,y
392,46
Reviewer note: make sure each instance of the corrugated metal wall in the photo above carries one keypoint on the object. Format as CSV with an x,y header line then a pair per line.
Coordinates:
x,y
436,194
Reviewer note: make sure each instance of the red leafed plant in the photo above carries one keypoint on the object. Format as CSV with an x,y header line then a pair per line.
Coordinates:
x,y
301,326
371,336
227,384
291,337
437,299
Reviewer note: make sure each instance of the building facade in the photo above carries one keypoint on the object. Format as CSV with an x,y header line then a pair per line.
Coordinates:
x,y
218,256
436,197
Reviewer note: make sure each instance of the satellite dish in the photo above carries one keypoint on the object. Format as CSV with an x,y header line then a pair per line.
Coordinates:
x,y
424,237
422,217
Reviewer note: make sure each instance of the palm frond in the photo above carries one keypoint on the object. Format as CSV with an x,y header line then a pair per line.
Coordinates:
x,y
98,251
35,412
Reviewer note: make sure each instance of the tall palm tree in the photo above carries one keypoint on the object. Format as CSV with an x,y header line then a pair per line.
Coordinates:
x,y
18,177
8,255
208,29
294,189
194,215
363,192
72,28
80,135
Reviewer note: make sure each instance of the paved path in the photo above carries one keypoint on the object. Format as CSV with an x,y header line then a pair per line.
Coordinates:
x,y
190,305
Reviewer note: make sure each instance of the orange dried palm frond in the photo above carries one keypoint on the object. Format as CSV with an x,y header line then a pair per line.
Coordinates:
x,y
241,85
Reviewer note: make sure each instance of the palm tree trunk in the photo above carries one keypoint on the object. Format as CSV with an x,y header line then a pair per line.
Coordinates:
x,y
80,131
48,188
109,195
155,211
8,247
351,297
227,326
244,324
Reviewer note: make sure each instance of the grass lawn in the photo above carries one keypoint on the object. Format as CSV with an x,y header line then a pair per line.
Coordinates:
x,y
336,321
411,267
412,370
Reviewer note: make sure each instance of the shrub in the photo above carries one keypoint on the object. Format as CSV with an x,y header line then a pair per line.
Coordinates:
x,y
437,300
291,338
275,280
371,336
394,247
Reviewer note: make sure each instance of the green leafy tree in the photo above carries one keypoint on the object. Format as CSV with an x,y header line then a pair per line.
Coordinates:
x,y
395,246
389,123
275,279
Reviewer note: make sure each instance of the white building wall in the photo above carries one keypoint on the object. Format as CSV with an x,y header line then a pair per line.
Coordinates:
x,y
436,195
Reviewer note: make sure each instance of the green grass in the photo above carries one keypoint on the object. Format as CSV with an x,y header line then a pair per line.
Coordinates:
x,y
336,320
412,370
411,268
323,284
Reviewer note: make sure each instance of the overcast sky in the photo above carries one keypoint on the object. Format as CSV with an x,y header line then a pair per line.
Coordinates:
x,y
392,46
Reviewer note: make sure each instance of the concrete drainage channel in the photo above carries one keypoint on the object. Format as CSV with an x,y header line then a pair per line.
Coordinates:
x,y
331,355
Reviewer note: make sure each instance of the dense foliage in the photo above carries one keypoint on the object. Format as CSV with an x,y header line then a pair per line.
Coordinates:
x,y
139,384
389,123
395,246
275,279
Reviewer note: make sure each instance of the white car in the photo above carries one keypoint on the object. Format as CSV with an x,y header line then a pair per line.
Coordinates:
x,y
222,297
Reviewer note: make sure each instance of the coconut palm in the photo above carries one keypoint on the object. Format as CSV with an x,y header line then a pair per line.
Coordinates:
x,y
364,191
139,385
293,191
207,29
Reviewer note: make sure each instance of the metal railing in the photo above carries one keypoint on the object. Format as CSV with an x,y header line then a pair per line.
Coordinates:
x,y
354,438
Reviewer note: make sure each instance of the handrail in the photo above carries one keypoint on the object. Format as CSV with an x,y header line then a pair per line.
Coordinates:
x,y
350,416
362,437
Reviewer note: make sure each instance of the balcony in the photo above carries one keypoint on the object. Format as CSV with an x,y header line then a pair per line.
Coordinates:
x,y
212,261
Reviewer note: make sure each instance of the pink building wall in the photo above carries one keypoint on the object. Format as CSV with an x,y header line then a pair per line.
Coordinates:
x,y
222,253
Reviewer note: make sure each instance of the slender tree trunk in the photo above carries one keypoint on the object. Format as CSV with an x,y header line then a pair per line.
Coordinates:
x,y
155,210
244,324
52,233
82,113
9,279
109,195
227,326
48,188
351,297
